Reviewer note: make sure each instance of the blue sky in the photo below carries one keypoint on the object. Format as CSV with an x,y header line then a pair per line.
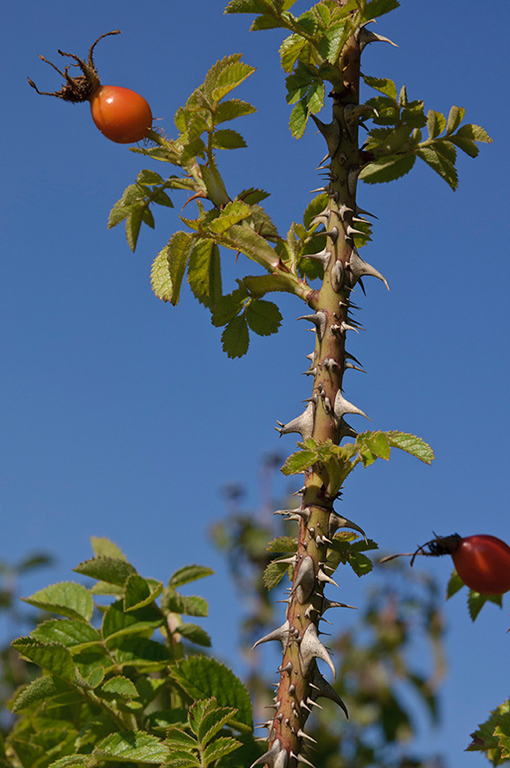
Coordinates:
x,y
122,417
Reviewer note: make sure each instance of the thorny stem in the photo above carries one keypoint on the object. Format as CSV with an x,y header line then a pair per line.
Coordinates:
x,y
301,682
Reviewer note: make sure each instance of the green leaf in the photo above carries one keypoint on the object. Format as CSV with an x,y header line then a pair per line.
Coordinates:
x,y
194,634
202,677
282,544
204,272
263,317
110,569
230,77
439,163
103,547
72,633
232,109
139,592
178,251
274,573
252,196
132,747
52,657
67,599
475,132
436,123
455,584
231,214
119,687
235,338
382,84
377,8
177,739
387,168
476,601
41,689
290,51
416,446
226,138
245,240
161,281
213,720
146,655
454,119
71,761
219,748
191,605
188,573
117,624
299,461
245,6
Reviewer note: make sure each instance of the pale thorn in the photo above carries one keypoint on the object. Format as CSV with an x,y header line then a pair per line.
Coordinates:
x,y
323,256
313,703
319,189
302,424
312,356
351,357
304,580
323,577
337,276
333,234
330,364
275,757
311,648
343,406
300,492
366,36
331,132
288,560
336,521
343,210
319,319
301,759
360,268
354,367
346,327
350,232
281,634
327,604
325,690
292,689
310,372
303,735
324,160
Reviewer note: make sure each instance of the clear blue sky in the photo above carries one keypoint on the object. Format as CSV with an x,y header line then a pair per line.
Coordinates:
x,y
122,417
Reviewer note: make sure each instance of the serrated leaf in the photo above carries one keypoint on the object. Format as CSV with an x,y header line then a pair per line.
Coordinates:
x,y
161,281
219,748
382,84
110,569
188,573
377,8
147,655
67,599
231,214
138,592
53,657
230,77
245,6
71,761
103,547
436,123
387,168
232,109
263,317
178,739
252,196
69,632
194,634
178,251
235,338
416,446
117,624
282,544
475,132
467,145
132,747
439,163
454,119
243,239
298,462
226,138
204,272
213,720
274,573
202,677
188,605
290,51
41,689
119,687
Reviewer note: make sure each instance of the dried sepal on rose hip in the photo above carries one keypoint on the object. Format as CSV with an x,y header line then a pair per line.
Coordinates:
x,y
482,561
120,114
